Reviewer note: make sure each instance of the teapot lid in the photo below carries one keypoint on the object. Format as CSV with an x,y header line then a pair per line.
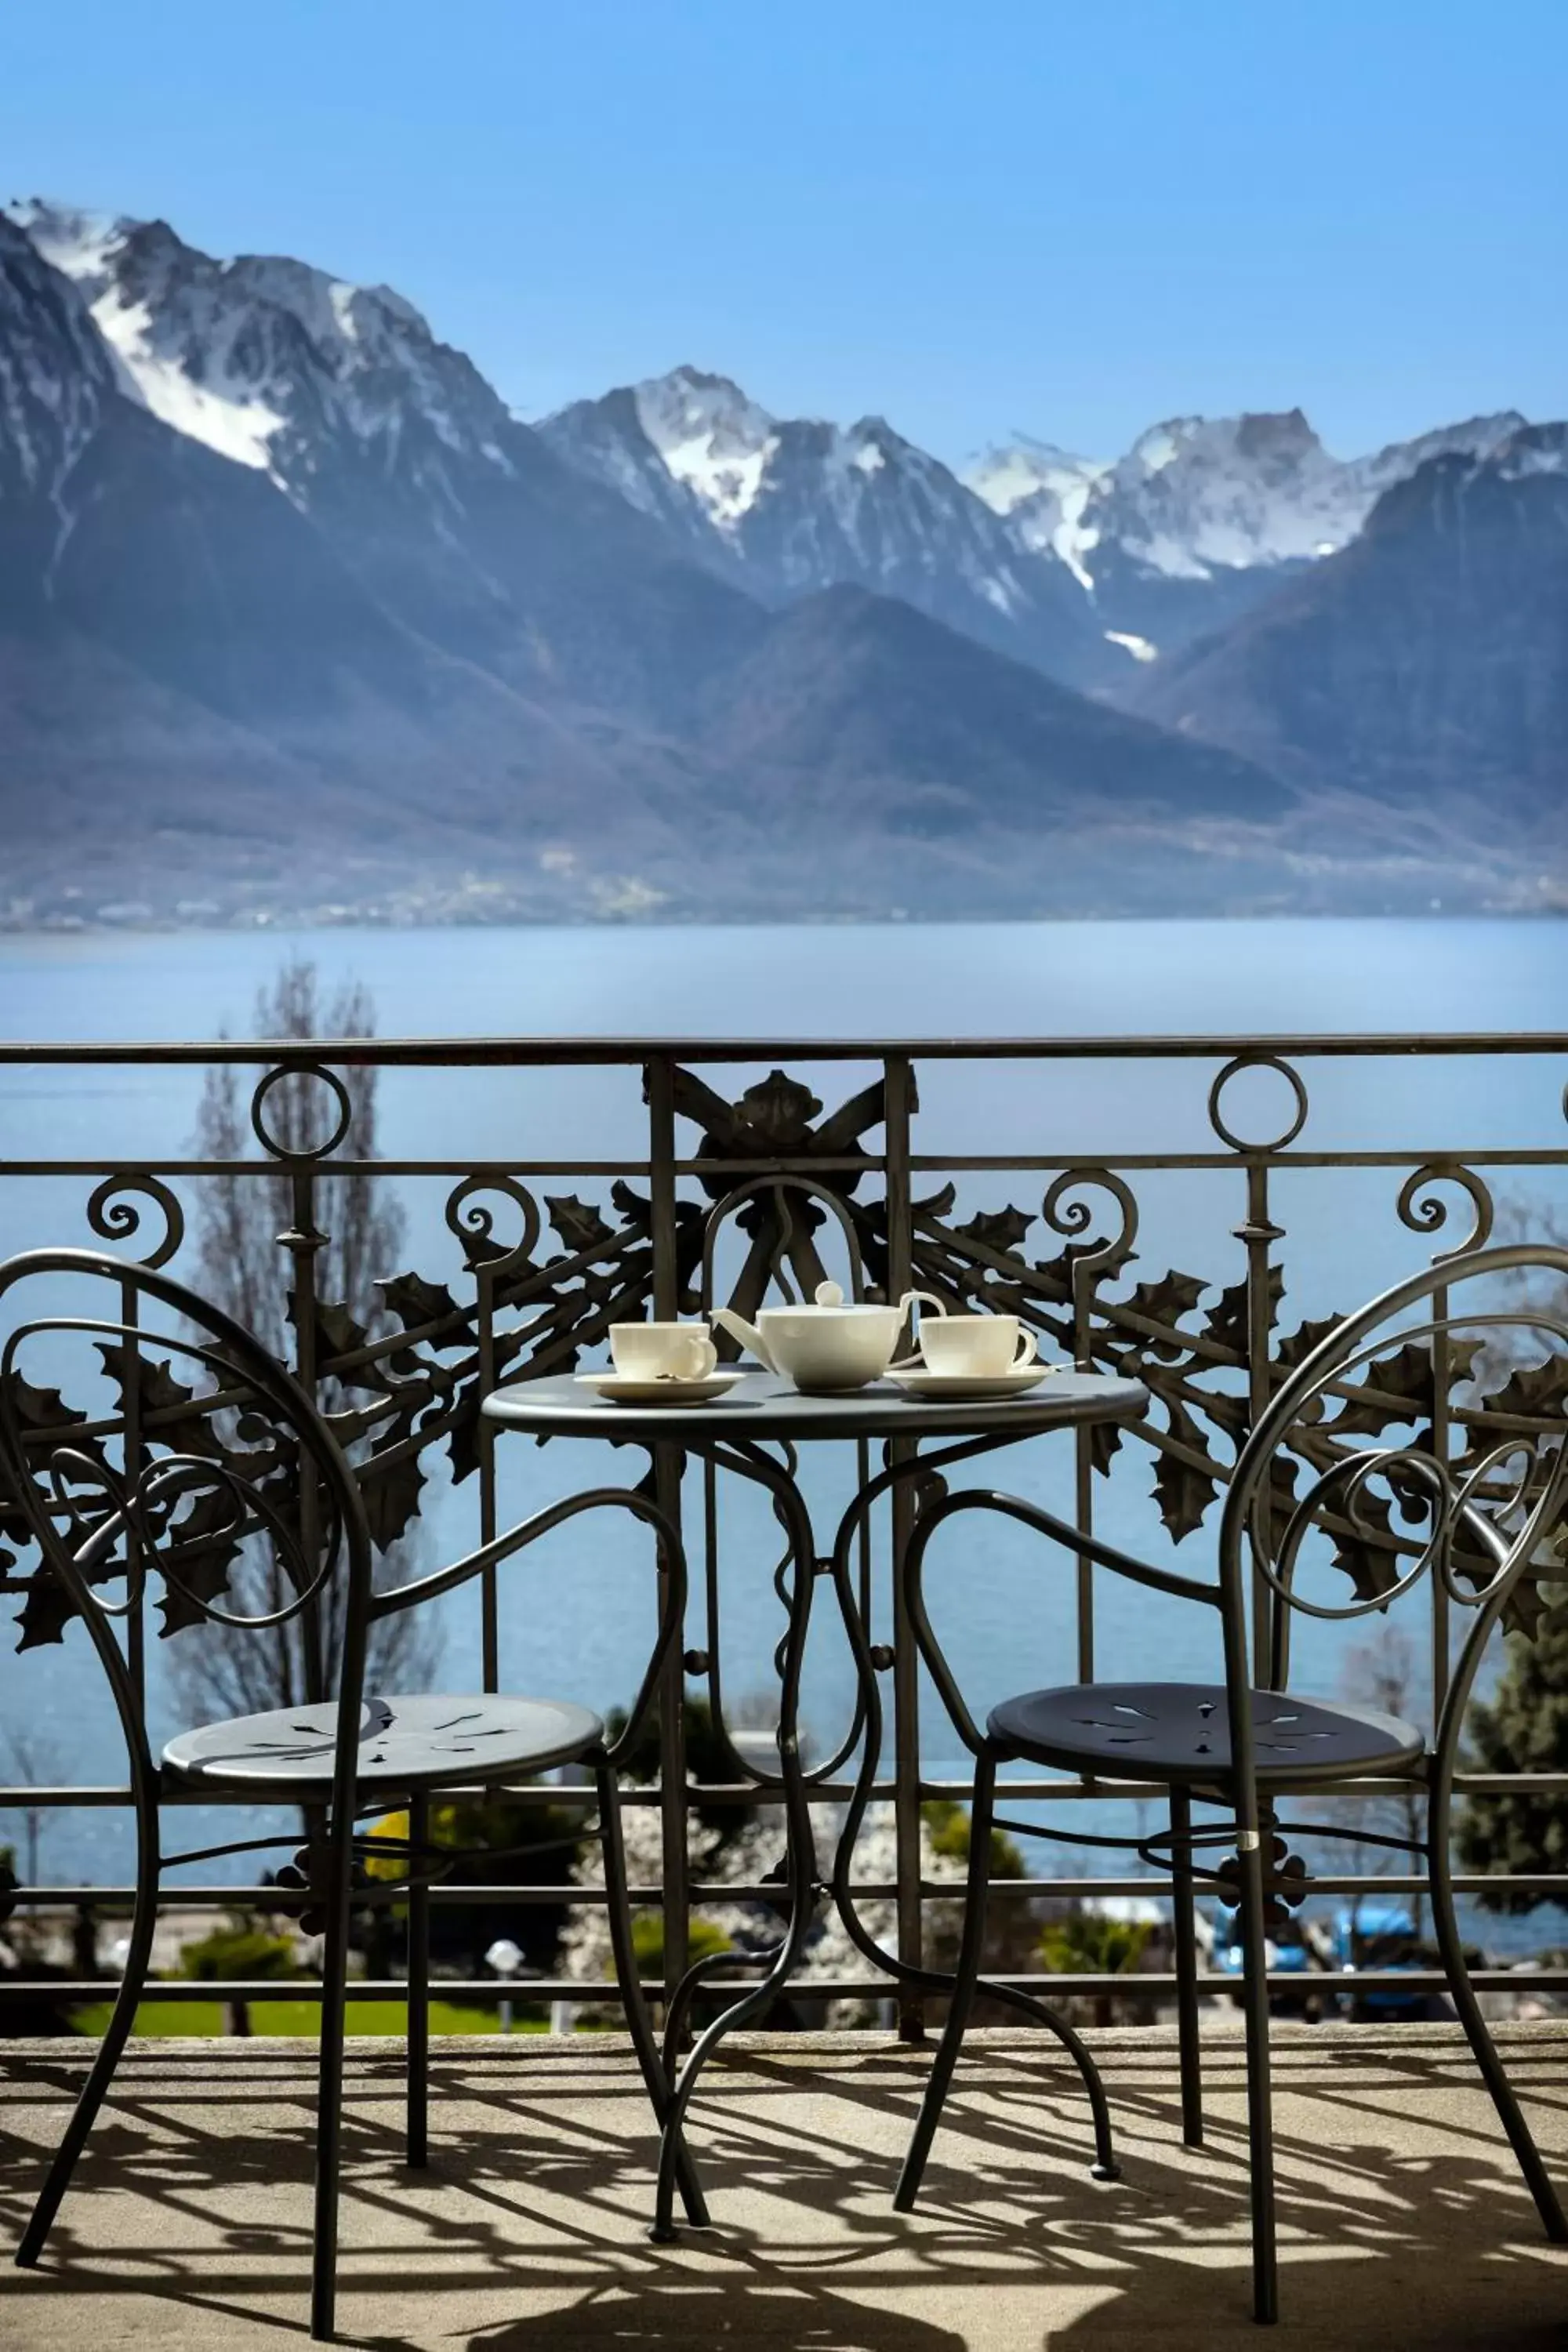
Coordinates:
x,y
829,1296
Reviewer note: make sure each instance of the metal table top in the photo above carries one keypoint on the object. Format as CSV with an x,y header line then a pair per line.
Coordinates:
x,y
763,1406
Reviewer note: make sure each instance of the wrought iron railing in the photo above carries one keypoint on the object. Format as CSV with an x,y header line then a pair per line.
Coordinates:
x,y
729,1179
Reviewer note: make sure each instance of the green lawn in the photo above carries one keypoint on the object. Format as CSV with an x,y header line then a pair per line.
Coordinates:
x,y
298,2017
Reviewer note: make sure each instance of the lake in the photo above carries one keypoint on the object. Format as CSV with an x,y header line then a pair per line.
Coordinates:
x,y
580,1635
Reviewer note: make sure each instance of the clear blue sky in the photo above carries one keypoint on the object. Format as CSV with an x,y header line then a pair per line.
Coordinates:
x,y
1070,217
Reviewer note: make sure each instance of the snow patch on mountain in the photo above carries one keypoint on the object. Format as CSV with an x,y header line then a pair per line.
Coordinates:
x,y
75,242
1131,643
1195,497
255,356
1197,494
795,505
1535,449
209,405
710,438
1043,492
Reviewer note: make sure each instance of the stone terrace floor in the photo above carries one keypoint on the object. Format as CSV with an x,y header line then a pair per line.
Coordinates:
x,y
1405,2227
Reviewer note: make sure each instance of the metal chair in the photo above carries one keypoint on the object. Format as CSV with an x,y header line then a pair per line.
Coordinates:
x,y
1483,1509
178,1483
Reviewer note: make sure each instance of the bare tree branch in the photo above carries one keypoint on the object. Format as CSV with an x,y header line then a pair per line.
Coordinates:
x,y
219,1670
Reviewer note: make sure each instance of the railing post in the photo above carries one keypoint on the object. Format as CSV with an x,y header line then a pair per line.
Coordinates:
x,y
489,1624
302,1240
135,1612
898,1083
659,1084
1260,1232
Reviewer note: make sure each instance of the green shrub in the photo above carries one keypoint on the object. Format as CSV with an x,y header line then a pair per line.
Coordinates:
x,y
949,1822
704,1941
238,1949
1086,1943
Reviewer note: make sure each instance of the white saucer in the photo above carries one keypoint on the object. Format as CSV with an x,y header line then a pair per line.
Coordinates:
x,y
637,1388
956,1386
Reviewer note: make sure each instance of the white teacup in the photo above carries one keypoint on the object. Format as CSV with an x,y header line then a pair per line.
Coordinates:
x,y
653,1351
975,1347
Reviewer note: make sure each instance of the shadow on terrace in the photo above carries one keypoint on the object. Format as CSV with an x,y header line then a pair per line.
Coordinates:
x,y
1404,2222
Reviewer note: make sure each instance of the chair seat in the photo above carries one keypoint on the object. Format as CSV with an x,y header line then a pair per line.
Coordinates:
x,y
404,1743
1180,1732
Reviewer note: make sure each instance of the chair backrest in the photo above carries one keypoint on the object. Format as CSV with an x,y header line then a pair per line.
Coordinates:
x,y
178,1449
1410,1444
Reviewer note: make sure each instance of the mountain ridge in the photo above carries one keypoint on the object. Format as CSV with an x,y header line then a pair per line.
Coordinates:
x,y
394,639
295,604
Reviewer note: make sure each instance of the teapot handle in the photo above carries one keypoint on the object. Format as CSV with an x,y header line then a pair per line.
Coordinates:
x,y
915,1298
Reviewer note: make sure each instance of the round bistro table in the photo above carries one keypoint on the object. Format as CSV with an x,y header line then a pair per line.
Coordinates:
x,y
733,1432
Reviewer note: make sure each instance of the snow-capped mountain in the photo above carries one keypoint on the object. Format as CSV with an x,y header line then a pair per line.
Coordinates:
x,y
791,506
1043,491
1203,514
453,514
288,588
54,373
1074,564
266,360
1425,660
293,613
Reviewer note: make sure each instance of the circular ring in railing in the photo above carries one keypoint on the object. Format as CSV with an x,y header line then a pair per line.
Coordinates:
x,y
115,1218
1258,1062
335,1086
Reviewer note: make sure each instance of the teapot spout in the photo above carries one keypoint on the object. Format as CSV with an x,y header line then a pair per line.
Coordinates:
x,y
739,1328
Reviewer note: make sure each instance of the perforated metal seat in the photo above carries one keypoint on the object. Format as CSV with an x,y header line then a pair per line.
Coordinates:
x,y
1180,1732
424,1742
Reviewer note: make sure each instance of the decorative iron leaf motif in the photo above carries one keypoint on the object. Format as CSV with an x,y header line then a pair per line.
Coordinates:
x,y
1225,1322
1297,1344
463,1438
1230,1413
1183,1488
1002,1230
170,1413
418,1305
1104,1445
42,1410
578,1223
779,1110
1370,1405
634,1210
392,1482
1532,1392
1372,1565
45,1612
1166,1301
200,1550
416,1385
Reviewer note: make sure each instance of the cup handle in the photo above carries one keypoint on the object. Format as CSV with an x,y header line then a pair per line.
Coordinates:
x,y
701,1357
1027,1350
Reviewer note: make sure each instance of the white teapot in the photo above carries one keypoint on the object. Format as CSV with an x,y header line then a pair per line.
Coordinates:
x,y
828,1347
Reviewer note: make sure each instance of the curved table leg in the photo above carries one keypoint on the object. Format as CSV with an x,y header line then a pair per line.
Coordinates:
x,y
802,1886
1105,2165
